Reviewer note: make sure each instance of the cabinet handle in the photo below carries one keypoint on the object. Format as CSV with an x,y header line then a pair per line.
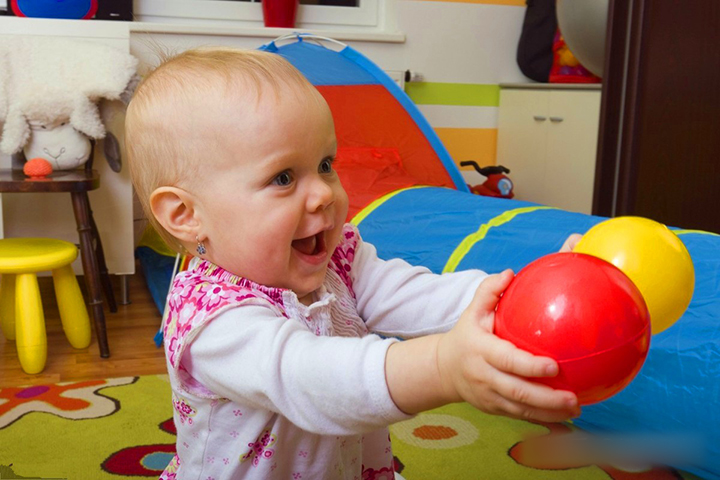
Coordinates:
x,y
539,118
556,119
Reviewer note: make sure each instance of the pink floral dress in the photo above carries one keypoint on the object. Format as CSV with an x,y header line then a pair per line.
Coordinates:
x,y
221,439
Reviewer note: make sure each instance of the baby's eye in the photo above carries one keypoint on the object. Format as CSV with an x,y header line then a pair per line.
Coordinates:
x,y
284,179
326,165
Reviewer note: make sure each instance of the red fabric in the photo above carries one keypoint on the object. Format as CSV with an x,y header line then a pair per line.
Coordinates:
x,y
367,117
369,173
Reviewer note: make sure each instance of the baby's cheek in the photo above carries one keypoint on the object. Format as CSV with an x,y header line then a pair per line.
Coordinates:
x,y
341,200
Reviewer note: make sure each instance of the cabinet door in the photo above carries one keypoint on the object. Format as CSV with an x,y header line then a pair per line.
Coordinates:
x,y
522,140
573,121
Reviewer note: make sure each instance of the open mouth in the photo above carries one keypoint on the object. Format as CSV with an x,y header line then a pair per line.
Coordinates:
x,y
312,245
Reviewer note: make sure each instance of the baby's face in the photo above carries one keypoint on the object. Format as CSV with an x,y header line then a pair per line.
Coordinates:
x,y
274,204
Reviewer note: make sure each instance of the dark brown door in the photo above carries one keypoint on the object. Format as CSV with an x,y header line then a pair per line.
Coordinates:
x,y
659,146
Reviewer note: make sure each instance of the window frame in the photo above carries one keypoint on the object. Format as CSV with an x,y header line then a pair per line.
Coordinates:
x,y
243,13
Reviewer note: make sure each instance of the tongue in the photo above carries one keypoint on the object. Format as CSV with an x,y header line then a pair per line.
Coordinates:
x,y
305,245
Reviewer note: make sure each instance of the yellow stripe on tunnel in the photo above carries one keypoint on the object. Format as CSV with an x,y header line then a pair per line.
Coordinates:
x,y
468,242
362,214
701,232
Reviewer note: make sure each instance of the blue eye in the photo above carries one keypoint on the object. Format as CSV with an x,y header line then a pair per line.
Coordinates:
x,y
284,179
326,165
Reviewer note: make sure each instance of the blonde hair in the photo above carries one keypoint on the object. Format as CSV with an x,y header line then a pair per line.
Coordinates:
x,y
156,152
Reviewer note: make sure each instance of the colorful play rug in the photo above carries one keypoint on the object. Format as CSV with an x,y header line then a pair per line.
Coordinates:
x,y
123,428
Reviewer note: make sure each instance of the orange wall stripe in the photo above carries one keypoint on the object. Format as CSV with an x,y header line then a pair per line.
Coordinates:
x,y
479,144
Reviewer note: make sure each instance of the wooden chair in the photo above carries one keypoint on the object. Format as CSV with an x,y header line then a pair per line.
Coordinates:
x,y
78,183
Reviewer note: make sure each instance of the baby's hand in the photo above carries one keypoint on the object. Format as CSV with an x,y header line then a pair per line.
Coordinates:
x,y
570,243
487,372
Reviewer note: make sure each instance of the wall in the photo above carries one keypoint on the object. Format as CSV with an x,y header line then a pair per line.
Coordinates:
x,y
463,49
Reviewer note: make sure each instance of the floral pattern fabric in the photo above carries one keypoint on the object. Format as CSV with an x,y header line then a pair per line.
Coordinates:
x,y
218,438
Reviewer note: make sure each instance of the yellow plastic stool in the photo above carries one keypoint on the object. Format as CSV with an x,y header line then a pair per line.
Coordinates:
x,y
21,312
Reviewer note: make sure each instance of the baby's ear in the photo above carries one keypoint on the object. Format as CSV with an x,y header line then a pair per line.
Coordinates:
x,y
174,209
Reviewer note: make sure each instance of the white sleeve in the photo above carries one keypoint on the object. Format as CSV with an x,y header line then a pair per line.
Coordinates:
x,y
324,385
397,299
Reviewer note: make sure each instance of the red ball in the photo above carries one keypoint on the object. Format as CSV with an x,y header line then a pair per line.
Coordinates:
x,y
583,312
37,168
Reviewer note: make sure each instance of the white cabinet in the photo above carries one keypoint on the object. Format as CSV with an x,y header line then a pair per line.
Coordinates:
x,y
547,137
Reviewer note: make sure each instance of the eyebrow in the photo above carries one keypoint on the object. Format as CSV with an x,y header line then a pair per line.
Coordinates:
x,y
278,162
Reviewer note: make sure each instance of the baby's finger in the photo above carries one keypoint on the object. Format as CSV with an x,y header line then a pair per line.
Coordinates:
x,y
488,293
525,412
506,357
534,395
571,242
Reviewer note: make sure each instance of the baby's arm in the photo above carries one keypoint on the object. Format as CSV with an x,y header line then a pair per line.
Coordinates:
x,y
325,385
398,299
471,364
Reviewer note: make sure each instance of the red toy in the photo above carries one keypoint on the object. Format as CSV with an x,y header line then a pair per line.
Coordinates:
x,y
37,168
583,312
498,184
566,68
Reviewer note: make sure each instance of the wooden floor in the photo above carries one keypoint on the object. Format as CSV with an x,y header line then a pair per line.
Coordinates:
x,y
130,336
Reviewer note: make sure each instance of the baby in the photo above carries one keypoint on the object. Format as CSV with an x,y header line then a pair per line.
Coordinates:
x,y
270,336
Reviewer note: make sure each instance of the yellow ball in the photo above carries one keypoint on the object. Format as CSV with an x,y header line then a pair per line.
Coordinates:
x,y
653,257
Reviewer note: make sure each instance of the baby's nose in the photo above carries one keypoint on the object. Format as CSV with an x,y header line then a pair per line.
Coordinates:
x,y
321,196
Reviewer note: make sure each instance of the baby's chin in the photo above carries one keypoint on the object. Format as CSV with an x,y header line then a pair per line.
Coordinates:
x,y
312,285
307,299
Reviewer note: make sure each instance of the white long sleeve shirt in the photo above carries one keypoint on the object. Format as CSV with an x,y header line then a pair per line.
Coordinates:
x,y
314,407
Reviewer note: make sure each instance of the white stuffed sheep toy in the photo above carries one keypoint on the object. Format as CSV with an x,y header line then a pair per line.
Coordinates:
x,y
58,143
49,90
